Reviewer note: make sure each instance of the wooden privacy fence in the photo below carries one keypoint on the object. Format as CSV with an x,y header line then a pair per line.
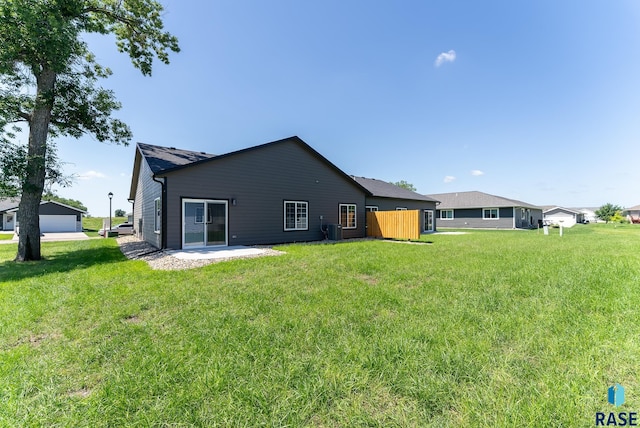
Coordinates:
x,y
394,224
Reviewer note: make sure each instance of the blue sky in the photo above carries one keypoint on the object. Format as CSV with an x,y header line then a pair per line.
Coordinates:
x,y
536,101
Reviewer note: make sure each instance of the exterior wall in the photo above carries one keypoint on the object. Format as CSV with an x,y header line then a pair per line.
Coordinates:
x,y
390,204
147,191
532,217
472,218
260,181
633,215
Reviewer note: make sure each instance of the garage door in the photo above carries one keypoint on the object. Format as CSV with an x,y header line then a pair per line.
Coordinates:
x,y
57,223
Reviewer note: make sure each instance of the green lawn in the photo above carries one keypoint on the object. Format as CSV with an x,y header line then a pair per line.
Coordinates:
x,y
6,236
492,328
91,225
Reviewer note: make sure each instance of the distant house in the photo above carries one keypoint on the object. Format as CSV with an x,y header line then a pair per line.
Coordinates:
x,y
633,214
389,197
484,211
588,214
8,219
54,217
566,217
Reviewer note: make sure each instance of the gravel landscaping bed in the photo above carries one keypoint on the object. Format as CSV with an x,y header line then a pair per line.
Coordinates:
x,y
135,249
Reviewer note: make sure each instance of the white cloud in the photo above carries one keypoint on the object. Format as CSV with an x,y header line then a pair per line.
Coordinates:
x,y
477,172
90,175
445,57
449,178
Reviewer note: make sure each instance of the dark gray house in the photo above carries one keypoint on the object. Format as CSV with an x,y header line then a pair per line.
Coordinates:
x,y
283,191
54,217
484,211
388,197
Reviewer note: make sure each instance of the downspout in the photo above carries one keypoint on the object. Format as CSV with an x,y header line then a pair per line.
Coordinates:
x,y
514,216
133,213
163,220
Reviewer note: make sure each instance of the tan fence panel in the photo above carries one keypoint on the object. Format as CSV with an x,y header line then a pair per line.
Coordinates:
x,y
394,224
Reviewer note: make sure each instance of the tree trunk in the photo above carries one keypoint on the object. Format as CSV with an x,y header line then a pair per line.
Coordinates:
x,y
29,208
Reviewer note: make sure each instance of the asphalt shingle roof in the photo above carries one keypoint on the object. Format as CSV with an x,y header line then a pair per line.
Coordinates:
x,y
387,190
476,199
162,158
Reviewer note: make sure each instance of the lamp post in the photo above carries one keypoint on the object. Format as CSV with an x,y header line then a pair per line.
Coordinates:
x,y
110,197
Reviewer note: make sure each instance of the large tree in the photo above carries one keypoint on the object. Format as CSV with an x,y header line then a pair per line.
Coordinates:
x,y
607,211
49,80
405,185
52,196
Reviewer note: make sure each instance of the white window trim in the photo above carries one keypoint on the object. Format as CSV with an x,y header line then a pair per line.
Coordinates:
x,y
157,218
355,215
289,229
447,218
491,209
401,208
371,207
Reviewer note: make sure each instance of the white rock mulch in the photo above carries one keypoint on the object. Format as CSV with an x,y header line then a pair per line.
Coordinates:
x,y
136,249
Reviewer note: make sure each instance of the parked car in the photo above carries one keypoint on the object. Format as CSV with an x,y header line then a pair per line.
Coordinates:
x,y
121,229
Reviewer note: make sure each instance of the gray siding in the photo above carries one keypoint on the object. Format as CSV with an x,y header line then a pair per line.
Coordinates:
x,y
260,181
147,191
472,218
390,204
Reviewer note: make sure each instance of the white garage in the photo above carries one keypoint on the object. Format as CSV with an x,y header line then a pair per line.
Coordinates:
x,y
57,223
54,217
564,216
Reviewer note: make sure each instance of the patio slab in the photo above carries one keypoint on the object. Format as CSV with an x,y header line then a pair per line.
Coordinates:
x,y
216,253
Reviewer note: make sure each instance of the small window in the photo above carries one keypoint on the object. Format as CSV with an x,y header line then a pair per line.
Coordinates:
x,y
371,208
348,216
199,216
401,208
523,214
157,221
296,214
446,214
490,214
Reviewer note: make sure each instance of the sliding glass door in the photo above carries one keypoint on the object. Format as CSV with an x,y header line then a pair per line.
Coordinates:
x,y
204,223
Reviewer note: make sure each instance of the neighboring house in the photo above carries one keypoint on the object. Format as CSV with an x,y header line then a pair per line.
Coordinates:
x,y
7,220
389,197
54,217
484,211
283,191
588,214
633,214
566,217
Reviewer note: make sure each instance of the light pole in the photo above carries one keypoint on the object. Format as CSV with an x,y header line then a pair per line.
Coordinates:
x,y
110,197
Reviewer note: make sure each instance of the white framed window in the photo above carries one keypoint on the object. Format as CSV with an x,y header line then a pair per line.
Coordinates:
x,y
157,219
523,214
296,215
401,208
446,214
371,208
490,213
348,216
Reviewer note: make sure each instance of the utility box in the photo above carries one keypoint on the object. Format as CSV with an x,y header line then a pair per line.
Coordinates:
x,y
334,232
